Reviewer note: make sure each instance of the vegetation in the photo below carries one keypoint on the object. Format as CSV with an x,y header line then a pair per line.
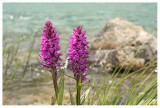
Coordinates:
x,y
141,88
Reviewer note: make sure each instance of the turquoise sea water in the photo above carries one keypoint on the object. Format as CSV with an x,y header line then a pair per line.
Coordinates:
x,y
26,18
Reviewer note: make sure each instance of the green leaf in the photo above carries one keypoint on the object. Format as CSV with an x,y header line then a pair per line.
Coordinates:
x,y
61,90
79,82
151,98
71,98
146,91
84,96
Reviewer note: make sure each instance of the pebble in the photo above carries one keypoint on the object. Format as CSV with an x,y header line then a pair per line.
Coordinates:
x,y
38,74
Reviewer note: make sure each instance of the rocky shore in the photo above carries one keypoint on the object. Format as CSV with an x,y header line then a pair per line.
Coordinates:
x,y
124,44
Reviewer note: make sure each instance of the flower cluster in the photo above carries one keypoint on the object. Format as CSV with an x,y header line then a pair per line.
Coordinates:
x,y
78,53
50,47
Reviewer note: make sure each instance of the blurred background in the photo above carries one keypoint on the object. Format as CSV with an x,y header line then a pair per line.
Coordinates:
x,y
25,81
21,20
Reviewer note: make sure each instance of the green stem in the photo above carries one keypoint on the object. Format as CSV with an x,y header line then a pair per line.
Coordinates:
x,y
55,83
78,90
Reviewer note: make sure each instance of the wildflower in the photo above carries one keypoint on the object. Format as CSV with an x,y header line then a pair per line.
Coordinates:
x,y
49,53
50,47
78,53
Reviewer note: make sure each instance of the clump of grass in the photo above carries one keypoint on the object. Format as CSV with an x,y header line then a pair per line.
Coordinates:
x,y
11,76
11,58
142,89
11,61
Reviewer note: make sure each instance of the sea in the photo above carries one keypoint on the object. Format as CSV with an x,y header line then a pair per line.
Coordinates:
x,y
23,20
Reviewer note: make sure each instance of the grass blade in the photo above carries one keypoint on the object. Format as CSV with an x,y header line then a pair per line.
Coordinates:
x,y
61,90
71,98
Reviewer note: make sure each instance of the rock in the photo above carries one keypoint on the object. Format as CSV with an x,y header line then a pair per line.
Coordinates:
x,y
119,42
